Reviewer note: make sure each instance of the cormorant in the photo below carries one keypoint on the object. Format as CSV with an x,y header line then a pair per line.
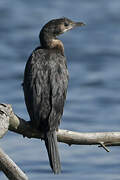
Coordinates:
x,y
45,85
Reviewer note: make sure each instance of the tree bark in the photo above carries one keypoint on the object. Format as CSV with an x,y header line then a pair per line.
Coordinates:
x,y
11,170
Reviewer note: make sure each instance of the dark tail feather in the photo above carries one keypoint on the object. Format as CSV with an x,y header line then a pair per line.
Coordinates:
x,y
52,149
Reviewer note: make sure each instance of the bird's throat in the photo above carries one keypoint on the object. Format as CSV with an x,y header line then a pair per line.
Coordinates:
x,y
49,42
57,44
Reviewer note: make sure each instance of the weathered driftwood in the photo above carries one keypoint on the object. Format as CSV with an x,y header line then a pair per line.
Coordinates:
x,y
19,125
11,170
10,121
4,122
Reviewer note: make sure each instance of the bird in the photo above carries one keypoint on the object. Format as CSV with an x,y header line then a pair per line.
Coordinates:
x,y
45,85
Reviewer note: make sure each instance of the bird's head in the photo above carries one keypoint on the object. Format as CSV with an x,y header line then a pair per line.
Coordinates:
x,y
56,27
50,31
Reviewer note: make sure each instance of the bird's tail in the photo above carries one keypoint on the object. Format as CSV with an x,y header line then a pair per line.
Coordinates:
x,y
52,149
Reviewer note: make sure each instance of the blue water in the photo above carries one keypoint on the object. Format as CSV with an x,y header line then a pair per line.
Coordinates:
x,y
93,99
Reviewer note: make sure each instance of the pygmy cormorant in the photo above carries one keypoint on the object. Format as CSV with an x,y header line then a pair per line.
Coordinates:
x,y
45,85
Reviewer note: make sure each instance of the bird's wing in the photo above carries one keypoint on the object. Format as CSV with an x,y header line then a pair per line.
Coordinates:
x,y
59,83
33,85
45,87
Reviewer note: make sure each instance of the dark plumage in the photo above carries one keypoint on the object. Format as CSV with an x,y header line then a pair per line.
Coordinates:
x,y
45,85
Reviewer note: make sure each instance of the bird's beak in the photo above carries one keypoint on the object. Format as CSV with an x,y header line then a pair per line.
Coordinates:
x,y
77,24
73,25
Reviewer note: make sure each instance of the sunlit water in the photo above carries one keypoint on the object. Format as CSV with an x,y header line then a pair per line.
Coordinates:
x,y
93,100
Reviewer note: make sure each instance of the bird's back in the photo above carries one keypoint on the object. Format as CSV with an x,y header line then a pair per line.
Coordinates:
x,y
45,87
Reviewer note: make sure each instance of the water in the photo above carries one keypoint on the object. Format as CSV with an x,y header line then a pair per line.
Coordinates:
x,y
93,100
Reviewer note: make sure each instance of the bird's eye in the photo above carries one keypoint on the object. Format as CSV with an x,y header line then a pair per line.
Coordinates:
x,y
66,24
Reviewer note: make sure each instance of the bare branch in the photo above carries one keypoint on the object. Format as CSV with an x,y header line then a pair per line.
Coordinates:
x,y
4,122
11,170
106,138
19,125
104,147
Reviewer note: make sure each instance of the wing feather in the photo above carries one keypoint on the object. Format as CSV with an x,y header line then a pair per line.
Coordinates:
x,y
45,88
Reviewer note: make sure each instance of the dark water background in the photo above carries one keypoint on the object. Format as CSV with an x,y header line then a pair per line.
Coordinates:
x,y
93,100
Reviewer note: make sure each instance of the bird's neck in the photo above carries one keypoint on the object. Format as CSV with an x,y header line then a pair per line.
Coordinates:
x,y
48,42
57,44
